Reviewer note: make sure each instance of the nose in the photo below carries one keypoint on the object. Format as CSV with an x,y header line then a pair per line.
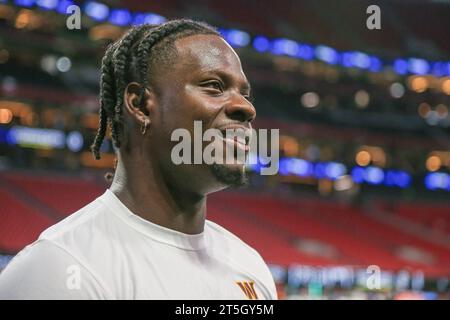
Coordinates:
x,y
240,109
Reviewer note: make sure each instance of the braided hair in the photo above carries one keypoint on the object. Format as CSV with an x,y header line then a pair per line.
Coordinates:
x,y
135,57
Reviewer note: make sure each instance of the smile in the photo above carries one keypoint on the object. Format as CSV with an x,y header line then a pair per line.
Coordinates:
x,y
237,143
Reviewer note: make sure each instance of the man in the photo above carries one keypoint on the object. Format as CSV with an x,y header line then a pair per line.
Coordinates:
x,y
147,236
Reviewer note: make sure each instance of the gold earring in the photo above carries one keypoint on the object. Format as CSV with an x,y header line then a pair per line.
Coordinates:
x,y
144,126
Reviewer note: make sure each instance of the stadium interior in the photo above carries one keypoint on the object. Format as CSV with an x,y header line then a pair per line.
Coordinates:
x,y
364,172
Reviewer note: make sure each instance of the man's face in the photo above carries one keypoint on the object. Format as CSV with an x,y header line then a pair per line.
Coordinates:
x,y
205,83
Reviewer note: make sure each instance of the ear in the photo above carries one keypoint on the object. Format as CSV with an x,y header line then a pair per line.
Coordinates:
x,y
139,111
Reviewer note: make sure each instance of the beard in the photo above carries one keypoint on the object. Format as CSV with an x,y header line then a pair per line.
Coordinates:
x,y
233,177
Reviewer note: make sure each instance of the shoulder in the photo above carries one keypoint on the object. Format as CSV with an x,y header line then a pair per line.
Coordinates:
x,y
240,254
44,270
70,246
236,243
78,220
82,233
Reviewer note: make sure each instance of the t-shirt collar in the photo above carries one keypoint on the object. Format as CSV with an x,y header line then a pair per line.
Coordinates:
x,y
152,230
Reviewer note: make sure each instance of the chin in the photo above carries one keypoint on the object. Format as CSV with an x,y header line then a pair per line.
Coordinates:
x,y
230,175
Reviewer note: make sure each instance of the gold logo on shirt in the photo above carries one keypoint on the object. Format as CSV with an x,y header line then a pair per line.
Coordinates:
x,y
248,288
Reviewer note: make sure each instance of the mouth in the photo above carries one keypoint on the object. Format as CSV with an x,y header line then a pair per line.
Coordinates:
x,y
238,143
239,139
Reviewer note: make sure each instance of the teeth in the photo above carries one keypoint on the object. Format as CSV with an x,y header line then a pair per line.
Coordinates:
x,y
242,138
240,144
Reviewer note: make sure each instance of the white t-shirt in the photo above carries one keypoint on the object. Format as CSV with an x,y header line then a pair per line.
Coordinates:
x,y
104,251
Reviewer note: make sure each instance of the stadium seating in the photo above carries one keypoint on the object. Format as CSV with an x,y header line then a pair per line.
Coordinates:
x,y
20,224
61,194
435,217
358,237
277,228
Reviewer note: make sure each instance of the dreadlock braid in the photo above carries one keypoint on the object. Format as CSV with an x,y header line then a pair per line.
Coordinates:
x,y
106,90
131,59
147,43
120,53
121,56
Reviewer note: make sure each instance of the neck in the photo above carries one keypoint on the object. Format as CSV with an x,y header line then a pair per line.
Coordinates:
x,y
147,194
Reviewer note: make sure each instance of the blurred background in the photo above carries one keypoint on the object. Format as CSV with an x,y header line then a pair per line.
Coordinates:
x,y
364,122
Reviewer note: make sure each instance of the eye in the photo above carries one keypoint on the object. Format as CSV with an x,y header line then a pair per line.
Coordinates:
x,y
213,84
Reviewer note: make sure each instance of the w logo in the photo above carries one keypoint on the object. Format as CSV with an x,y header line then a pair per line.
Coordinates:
x,y
249,289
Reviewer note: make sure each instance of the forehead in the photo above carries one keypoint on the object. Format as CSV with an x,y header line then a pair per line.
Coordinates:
x,y
208,53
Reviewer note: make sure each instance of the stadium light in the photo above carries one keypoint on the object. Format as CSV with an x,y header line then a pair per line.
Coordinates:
x,y
97,11
403,179
147,18
138,19
310,99
153,18
334,170
362,98
360,60
346,59
326,54
236,38
437,180
397,90
305,52
285,47
36,138
63,64
397,178
301,167
74,141
375,64
63,5
304,168
261,44
283,167
418,66
390,178
400,66
358,174
320,170
24,3
120,17
47,4
6,116
439,69
374,175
